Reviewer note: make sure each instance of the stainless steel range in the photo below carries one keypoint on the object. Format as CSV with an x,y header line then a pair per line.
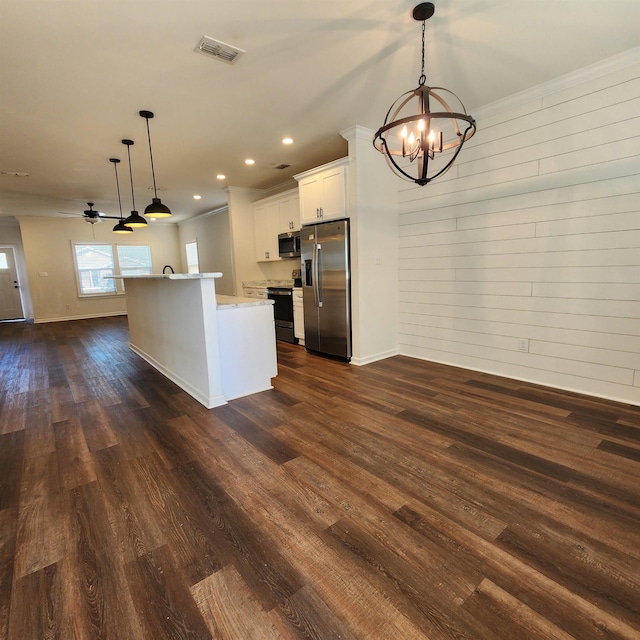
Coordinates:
x,y
283,312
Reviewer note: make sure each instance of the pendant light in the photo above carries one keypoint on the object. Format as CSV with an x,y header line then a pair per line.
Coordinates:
x,y
135,219
121,227
156,209
415,135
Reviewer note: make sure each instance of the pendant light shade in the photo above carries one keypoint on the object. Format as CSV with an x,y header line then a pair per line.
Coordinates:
x,y
421,144
121,227
136,220
156,209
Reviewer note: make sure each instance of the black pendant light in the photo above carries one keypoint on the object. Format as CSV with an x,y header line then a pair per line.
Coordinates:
x,y
135,219
121,227
156,209
413,135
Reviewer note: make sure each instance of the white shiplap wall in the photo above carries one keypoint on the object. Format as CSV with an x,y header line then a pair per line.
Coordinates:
x,y
524,260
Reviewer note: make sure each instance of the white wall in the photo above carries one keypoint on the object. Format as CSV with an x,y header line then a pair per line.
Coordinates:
x,y
47,246
534,236
373,210
245,266
213,235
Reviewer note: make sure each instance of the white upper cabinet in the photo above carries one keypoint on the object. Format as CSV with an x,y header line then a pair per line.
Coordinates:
x,y
323,193
265,232
289,212
272,216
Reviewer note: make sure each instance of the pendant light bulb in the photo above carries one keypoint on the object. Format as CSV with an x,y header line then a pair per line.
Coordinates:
x,y
156,209
121,227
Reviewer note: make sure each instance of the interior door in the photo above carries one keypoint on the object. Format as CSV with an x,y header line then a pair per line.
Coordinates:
x,y
10,301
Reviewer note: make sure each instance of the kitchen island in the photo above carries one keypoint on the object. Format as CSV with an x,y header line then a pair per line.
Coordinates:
x,y
216,348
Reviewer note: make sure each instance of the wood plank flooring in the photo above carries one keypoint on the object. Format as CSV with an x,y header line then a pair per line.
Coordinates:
x,y
400,500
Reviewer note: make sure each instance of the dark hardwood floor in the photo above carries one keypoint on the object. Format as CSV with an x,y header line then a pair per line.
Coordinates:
x,y
400,500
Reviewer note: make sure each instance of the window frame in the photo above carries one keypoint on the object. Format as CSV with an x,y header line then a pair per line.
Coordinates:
x,y
118,289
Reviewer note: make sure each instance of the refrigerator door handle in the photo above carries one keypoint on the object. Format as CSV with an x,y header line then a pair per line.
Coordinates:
x,y
316,275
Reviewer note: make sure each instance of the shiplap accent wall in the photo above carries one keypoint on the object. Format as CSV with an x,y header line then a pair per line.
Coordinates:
x,y
524,260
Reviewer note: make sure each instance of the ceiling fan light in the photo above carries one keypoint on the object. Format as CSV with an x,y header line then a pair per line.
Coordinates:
x,y
121,227
157,210
136,221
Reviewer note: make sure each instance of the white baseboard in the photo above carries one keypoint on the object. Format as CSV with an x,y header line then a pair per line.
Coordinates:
x,y
83,317
374,358
208,402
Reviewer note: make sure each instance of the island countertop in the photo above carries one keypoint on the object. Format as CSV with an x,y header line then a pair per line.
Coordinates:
x,y
171,276
227,302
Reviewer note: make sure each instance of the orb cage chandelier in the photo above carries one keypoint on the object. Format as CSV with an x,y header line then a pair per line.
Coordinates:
x,y
413,135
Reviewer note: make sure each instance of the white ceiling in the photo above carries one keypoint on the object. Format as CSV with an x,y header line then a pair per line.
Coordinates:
x,y
75,73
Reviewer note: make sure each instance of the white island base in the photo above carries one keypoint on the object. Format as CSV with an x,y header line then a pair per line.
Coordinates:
x,y
216,349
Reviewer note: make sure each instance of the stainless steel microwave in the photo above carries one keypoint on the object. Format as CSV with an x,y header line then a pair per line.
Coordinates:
x,y
289,244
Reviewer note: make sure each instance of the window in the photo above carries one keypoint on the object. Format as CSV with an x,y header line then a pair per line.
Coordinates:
x,y
4,263
134,260
192,257
95,261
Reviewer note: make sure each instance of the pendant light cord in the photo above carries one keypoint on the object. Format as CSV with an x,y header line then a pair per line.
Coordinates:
x,y
133,200
115,168
153,173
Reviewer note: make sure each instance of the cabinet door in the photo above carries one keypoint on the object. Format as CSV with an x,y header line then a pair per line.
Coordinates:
x,y
310,199
298,317
261,234
289,214
273,224
265,225
334,202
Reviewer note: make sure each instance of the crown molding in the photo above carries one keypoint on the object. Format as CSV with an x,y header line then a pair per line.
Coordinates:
x,y
601,68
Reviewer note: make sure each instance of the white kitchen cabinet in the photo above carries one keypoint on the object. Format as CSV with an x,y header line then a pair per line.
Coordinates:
x,y
265,222
289,213
272,216
298,316
323,192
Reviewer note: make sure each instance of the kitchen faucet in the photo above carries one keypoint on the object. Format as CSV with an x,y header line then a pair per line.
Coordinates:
x,y
167,266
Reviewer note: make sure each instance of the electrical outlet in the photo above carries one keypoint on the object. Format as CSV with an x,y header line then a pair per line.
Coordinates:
x,y
523,344
378,260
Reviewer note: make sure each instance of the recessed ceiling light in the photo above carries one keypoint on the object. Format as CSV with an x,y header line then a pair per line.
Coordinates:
x,y
221,176
197,197
287,140
249,161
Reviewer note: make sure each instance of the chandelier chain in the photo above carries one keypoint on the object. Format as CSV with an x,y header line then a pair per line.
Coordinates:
x,y
423,78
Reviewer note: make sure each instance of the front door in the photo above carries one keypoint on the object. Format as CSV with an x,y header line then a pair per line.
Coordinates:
x,y
10,302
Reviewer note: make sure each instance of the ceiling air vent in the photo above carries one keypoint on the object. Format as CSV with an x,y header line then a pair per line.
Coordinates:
x,y
218,50
282,166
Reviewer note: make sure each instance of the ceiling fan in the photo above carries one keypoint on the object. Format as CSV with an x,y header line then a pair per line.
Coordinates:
x,y
91,215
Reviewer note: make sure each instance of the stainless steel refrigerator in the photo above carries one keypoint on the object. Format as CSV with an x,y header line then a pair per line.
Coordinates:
x,y
326,288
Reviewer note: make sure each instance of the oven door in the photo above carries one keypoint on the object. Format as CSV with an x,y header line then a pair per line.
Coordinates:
x,y
283,312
